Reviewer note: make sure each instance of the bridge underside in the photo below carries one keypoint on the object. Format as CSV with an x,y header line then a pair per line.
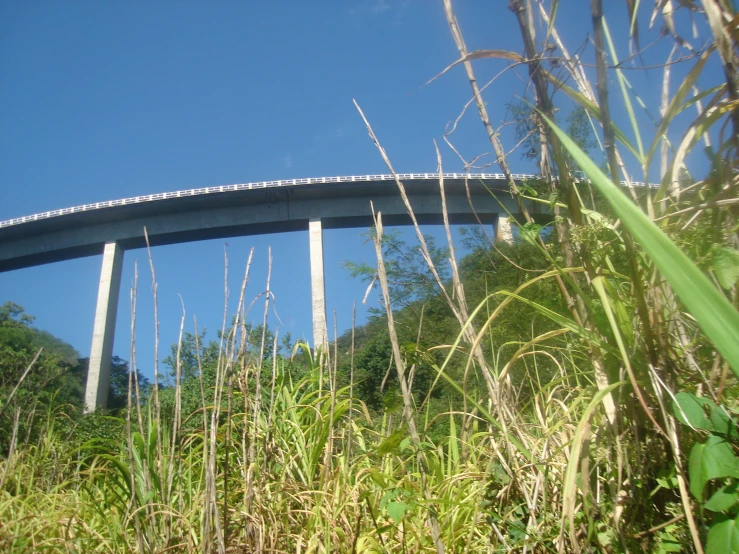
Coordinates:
x,y
195,218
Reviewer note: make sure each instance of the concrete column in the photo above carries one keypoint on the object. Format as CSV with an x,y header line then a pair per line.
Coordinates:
x,y
317,283
503,231
101,352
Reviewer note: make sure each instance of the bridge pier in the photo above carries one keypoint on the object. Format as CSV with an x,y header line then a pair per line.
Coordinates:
x,y
503,231
317,283
101,351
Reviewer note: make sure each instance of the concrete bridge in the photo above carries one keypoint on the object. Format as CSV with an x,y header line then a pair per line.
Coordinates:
x,y
109,228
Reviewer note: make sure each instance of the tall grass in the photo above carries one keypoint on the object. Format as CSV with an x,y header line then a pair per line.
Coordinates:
x,y
296,465
111,498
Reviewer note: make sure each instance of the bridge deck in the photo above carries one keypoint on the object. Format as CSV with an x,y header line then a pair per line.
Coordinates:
x,y
246,209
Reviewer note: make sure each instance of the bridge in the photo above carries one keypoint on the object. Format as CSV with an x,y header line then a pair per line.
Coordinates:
x,y
112,227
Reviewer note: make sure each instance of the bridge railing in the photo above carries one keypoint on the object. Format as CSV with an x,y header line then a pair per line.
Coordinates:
x,y
263,185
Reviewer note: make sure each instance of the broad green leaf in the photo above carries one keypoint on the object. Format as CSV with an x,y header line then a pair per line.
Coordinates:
x,y
725,264
723,499
530,232
607,538
723,423
713,312
689,410
396,510
389,496
671,544
703,413
713,460
723,537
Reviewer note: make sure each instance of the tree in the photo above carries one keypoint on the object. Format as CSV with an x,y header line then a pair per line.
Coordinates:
x,y
526,130
118,389
408,274
19,343
50,382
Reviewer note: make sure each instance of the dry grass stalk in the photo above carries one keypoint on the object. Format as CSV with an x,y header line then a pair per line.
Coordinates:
x,y
157,403
494,140
482,110
177,420
671,427
133,367
13,444
20,381
549,142
329,449
464,322
133,385
408,410
351,394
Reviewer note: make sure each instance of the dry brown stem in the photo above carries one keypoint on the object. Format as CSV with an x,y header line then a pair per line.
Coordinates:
x,y
408,411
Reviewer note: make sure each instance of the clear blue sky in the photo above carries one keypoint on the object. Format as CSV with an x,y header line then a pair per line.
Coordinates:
x,y
104,100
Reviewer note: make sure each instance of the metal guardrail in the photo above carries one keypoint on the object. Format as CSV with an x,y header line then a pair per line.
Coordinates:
x,y
259,185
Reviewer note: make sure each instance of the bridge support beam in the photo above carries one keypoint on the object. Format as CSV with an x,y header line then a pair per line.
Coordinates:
x,y
503,231
317,283
101,351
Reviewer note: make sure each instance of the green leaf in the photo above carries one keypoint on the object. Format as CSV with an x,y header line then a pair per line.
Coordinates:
x,y
530,232
624,84
606,538
389,496
378,477
703,413
723,537
396,510
560,320
689,410
391,444
594,110
723,499
666,478
713,312
712,460
723,424
598,285
725,264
